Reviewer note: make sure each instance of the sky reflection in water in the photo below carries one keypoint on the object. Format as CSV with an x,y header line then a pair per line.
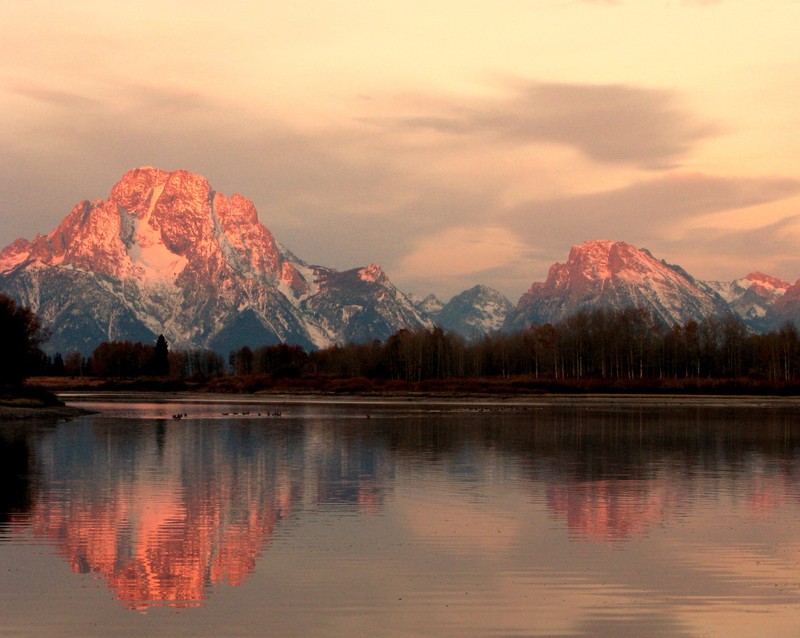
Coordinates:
x,y
403,520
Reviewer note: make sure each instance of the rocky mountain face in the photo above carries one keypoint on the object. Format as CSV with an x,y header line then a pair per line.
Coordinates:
x,y
616,275
165,253
473,313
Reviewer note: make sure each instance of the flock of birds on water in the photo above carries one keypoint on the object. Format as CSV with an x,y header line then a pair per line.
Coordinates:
x,y
277,413
274,414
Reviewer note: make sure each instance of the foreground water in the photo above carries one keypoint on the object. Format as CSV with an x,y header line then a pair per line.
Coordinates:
x,y
648,518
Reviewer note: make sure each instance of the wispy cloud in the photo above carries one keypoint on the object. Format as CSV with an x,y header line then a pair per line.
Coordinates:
x,y
688,3
51,96
774,243
418,183
643,127
459,251
644,210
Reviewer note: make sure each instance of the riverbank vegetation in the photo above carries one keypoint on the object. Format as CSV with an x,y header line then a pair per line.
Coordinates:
x,y
21,337
596,351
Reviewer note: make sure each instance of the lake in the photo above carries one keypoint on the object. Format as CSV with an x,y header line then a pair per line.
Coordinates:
x,y
279,517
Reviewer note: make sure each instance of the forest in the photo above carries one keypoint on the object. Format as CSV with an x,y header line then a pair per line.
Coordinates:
x,y
594,350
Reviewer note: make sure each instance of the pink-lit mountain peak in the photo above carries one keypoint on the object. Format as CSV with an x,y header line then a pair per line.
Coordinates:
x,y
766,284
180,210
166,254
603,259
593,264
613,274
153,226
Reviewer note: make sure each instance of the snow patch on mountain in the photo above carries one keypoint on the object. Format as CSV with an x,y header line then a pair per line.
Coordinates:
x,y
152,260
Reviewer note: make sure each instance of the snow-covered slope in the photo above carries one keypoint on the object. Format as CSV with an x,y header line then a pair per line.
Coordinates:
x,y
475,312
751,297
429,306
165,253
612,274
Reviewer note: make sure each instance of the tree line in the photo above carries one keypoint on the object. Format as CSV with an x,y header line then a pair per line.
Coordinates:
x,y
130,360
607,344
604,344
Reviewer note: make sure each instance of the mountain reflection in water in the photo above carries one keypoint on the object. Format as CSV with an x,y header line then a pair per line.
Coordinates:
x,y
167,511
162,511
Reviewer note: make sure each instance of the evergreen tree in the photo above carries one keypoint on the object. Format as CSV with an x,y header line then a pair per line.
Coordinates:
x,y
160,362
21,334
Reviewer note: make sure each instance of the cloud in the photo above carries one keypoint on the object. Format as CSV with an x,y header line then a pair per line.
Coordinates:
x,y
711,249
610,123
644,210
333,194
688,3
463,251
165,99
53,97
422,186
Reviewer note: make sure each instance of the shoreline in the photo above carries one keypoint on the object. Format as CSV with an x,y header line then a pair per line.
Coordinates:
x,y
42,412
405,399
523,387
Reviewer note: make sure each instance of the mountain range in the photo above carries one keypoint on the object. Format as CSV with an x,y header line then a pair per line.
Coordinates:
x,y
165,253
616,275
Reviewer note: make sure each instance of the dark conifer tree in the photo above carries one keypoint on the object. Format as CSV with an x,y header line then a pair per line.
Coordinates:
x,y
21,334
59,370
160,362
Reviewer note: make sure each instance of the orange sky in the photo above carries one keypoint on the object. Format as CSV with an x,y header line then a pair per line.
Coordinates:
x,y
453,143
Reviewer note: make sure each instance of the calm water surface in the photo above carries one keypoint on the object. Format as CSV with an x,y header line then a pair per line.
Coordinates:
x,y
248,518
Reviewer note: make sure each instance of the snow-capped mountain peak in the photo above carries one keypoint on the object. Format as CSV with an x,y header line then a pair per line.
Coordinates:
x,y
614,274
371,273
166,253
752,297
472,313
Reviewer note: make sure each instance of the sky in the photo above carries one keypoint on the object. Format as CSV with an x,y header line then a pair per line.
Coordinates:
x,y
453,143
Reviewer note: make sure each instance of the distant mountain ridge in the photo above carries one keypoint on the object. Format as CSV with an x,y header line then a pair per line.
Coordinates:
x,y
165,253
753,298
473,313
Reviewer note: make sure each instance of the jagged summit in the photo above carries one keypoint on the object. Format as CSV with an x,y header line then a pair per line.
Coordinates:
x,y
429,305
156,226
767,284
752,297
166,253
614,274
475,312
